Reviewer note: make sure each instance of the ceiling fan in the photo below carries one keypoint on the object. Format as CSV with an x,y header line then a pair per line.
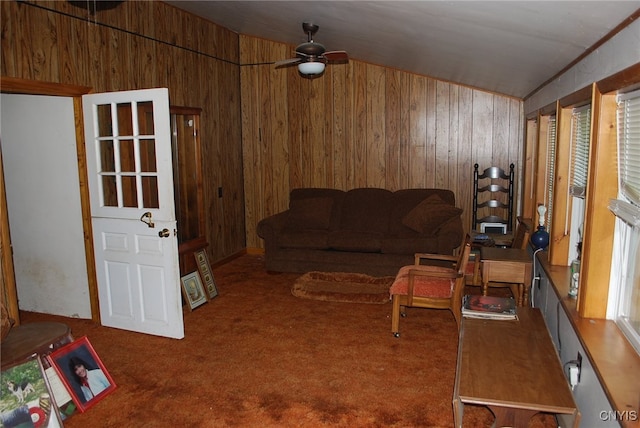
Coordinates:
x,y
311,57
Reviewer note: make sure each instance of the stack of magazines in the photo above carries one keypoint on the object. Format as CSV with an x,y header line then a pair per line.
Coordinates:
x,y
489,307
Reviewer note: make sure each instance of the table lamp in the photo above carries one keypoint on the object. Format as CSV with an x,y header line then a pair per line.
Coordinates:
x,y
540,238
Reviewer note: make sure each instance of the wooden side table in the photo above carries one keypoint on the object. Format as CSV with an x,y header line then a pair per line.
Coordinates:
x,y
495,239
35,338
507,265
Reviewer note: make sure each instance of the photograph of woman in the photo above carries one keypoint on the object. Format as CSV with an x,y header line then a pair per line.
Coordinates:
x,y
79,367
91,381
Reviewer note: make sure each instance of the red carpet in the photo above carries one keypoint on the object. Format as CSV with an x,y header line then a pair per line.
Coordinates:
x,y
256,356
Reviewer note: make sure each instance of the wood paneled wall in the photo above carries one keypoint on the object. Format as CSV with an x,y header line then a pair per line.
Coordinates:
x,y
267,131
363,125
145,44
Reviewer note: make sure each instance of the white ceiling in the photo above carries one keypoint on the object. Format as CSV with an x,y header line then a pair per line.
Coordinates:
x,y
508,47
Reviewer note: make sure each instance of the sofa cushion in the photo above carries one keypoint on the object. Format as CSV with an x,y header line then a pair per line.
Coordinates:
x,y
335,195
366,210
365,242
409,245
308,239
430,214
310,213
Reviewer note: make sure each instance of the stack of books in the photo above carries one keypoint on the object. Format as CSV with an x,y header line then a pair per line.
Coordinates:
x,y
489,307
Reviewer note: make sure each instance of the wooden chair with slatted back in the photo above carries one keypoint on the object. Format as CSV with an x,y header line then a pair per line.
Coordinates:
x,y
493,192
433,287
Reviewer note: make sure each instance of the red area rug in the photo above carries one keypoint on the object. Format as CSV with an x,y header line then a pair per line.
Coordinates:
x,y
343,287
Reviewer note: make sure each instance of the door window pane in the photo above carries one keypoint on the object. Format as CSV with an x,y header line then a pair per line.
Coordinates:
x,y
150,192
127,156
148,156
104,120
145,118
129,192
125,121
107,161
128,163
109,191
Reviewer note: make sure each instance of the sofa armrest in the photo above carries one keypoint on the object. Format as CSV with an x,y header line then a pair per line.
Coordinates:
x,y
269,227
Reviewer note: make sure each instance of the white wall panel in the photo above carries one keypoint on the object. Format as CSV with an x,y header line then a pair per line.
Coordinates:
x,y
43,199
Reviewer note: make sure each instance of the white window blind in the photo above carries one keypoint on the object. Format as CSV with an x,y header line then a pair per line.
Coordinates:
x,y
551,162
625,273
629,145
580,136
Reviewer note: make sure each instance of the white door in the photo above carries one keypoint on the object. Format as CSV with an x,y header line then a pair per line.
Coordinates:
x,y
130,175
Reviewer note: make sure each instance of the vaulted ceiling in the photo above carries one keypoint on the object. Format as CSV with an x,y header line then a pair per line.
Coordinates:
x,y
507,47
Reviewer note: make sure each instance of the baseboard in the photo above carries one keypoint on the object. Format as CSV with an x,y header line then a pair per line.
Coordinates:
x,y
227,259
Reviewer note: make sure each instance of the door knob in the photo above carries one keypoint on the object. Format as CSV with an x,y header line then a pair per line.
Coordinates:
x,y
164,233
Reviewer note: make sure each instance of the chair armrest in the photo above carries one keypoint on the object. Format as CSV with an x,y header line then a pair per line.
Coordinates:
x,y
435,273
419,257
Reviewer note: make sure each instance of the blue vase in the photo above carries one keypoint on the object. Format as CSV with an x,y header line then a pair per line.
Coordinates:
x,y
540,238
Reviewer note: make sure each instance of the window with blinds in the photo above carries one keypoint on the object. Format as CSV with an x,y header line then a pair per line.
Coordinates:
x,y
624,292
580,136
551,162
629,145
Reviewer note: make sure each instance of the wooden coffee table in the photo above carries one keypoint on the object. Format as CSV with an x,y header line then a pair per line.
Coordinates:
x,y
512,368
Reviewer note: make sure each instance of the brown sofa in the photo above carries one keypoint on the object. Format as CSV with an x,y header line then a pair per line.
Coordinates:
x,y
367,230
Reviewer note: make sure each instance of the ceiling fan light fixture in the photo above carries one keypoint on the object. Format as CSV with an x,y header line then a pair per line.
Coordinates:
x,y
310,68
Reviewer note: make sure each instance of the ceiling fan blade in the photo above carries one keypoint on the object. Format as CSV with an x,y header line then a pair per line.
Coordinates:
x,y
287,62
340,56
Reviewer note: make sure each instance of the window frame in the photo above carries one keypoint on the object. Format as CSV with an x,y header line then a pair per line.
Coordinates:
x,y
601,186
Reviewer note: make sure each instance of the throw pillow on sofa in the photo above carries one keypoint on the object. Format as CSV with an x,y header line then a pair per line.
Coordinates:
x,y
430,214
310,213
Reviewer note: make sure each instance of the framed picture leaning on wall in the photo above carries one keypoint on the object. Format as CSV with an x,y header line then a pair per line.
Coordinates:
x,y
205,273
193,291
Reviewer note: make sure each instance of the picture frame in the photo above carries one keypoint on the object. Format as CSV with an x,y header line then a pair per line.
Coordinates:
x,y
193,291
79,359
26,398
202,260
